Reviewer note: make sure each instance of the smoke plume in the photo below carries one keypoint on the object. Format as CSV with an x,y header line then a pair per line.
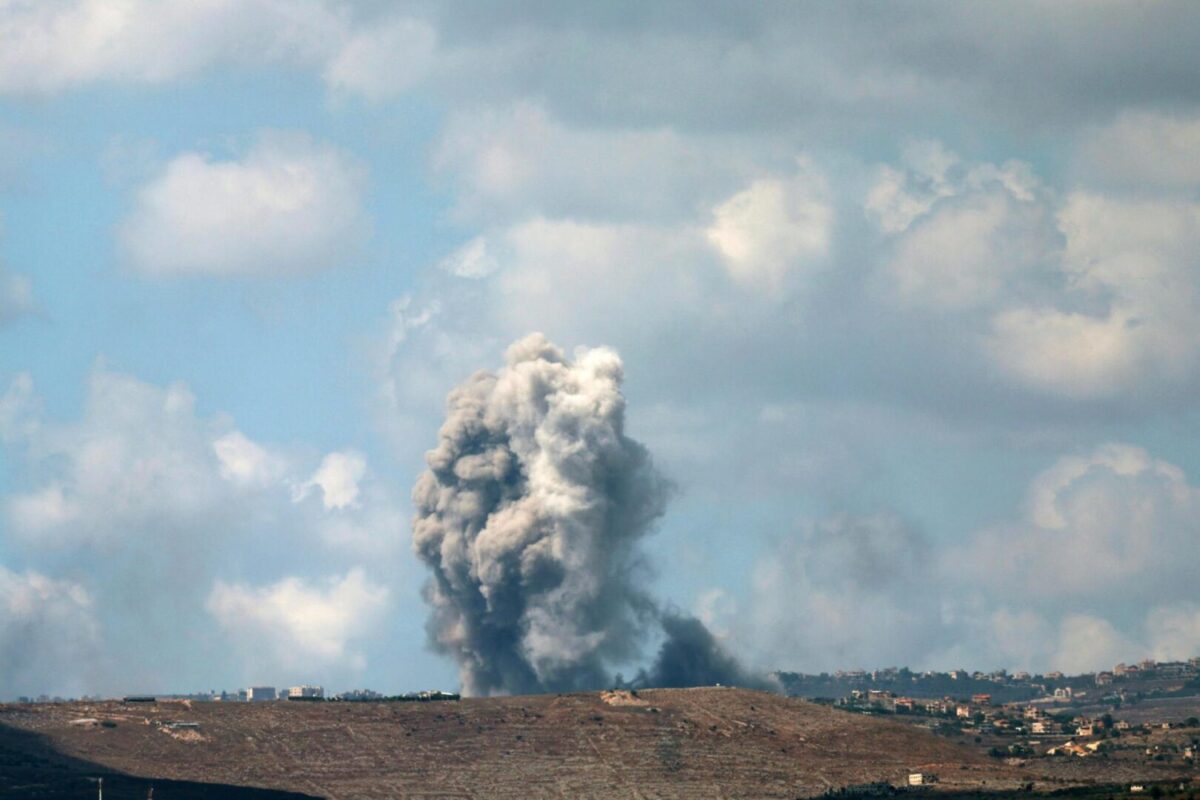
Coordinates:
x,y
691,656
529,517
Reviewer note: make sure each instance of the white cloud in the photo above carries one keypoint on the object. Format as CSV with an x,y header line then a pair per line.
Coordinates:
x,y
138,454
964,235
1070,353
773,228
338,477
969,253
142,497
1128,315
472,260
1141,149
288,205
53,45
142,468
383,60
302,622
900,196
1087,297
16,296
519,161
1097,570
1115,517
246,462
58,45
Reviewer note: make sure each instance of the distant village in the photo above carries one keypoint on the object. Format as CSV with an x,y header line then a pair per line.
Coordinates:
x,y
265,694
1149,710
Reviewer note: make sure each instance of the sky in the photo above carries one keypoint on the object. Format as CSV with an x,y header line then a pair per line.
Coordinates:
x,y
906,298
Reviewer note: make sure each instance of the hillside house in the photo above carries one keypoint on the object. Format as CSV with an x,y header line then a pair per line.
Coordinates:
x,y
1069,749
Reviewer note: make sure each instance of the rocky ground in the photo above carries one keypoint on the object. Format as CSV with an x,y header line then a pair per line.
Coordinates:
x,y
693,743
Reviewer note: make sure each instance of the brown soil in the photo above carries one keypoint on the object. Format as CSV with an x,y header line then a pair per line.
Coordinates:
x,y
666,743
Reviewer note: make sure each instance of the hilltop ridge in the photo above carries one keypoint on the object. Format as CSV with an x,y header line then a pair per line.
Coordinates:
x,y
696,743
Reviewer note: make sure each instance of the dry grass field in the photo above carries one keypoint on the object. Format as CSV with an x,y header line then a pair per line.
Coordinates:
x,y
677,743
695,743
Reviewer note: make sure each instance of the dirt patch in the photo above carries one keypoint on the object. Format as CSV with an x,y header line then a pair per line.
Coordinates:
x,y
622,697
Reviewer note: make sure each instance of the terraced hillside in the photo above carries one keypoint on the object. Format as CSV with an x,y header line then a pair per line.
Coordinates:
x,y
694,743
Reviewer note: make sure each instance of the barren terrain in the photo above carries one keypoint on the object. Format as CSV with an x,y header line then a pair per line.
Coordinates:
x,y
694,743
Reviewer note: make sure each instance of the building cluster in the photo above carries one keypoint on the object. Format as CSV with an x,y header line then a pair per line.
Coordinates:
x,y
307,692
262,694
1146,669
1042,726
1149,668
366,695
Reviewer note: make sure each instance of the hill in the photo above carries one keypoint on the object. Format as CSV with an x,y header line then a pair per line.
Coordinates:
x,y
695,743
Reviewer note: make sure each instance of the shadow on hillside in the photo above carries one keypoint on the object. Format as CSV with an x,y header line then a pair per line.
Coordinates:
x,y
30,767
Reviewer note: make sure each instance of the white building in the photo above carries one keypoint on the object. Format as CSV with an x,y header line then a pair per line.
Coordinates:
x,y
306,692
258,694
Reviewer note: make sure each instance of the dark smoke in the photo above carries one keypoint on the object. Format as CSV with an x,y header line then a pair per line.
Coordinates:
x,y
691,656
529,517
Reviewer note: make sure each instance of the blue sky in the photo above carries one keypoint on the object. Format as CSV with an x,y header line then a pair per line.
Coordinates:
x,y
906,299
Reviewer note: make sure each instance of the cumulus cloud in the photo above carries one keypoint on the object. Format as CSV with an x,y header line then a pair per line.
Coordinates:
x,y
1096,569
779,69
338,478
247,462
518,161
142,497
900,195
1141,149
772,228
287,205
472,260
966,235
1113,517
1088,297
381,61
1128,314
299,621
138,454
970,253
61,44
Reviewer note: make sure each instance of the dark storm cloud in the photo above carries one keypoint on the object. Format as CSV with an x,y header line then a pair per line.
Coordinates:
x,y
730,65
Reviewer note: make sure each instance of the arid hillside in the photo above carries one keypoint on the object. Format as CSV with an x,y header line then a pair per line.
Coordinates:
x,y
693,743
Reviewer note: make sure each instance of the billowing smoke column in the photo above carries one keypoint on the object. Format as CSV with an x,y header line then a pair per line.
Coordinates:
x,y
530,516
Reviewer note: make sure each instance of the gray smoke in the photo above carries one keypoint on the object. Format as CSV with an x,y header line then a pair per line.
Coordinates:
x,y
691,656
529,517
